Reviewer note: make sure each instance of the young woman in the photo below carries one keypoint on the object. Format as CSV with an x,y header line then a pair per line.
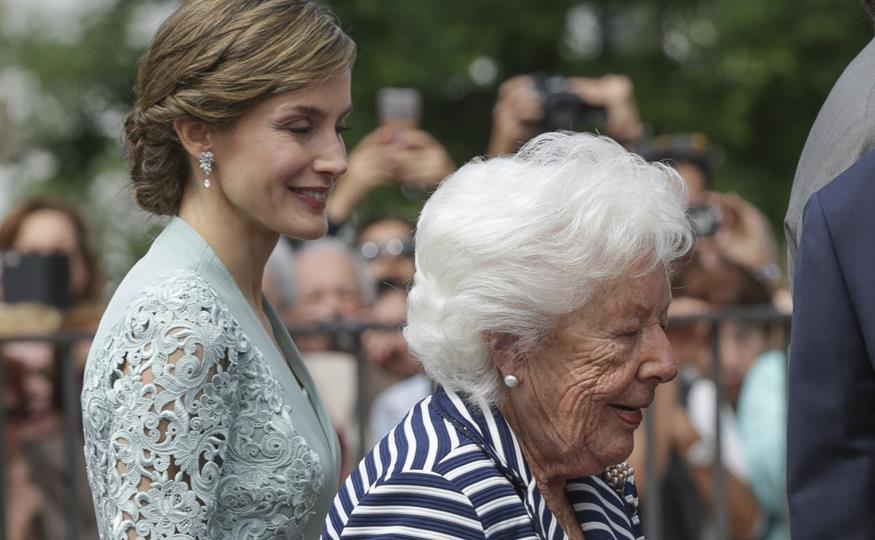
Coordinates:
x,y
200,418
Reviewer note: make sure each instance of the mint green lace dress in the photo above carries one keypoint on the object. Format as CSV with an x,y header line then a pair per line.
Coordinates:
x,y
196,426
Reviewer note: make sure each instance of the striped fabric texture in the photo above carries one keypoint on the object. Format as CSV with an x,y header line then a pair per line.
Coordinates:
x,y
454,470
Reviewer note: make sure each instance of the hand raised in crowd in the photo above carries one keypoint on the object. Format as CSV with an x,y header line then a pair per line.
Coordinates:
x,y
371,164
388,154
617,95
515,116
745,236
421,160
519,109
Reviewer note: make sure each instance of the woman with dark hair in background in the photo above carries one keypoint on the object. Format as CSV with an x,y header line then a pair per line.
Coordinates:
x,y
201,420
46,227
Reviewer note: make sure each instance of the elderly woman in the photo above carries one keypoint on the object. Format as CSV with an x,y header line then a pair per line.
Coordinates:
x,y
539,306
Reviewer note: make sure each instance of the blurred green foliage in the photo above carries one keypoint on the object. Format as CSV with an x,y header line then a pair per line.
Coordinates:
x,y
749,74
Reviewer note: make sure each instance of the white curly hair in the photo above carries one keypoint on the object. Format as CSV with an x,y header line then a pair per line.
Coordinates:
x,y
511,244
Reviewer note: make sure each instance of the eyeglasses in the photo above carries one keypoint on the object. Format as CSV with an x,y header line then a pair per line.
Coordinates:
x,y
393,248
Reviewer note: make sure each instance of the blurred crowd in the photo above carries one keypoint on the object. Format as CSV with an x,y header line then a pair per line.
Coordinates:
x,y
344,297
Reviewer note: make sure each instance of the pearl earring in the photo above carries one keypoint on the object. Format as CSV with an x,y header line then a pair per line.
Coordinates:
x,y
206,164
511,381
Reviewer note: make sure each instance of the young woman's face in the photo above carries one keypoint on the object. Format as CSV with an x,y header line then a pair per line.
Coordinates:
x,y
277,164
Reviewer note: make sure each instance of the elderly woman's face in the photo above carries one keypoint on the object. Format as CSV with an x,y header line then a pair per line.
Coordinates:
x,y
595,373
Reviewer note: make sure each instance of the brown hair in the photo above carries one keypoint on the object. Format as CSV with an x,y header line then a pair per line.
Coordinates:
x,y
212,60
11,226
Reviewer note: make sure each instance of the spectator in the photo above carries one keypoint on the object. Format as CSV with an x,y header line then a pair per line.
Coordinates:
x,y
684,439
38,426
745,237
754,379
690,155
753,376
387,244
45,227
325,283
388,350
726,225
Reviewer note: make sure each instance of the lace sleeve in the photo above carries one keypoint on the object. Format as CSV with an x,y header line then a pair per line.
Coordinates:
x,y
158,402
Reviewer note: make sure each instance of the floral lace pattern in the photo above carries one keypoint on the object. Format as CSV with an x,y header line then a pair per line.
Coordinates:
x,y
187,434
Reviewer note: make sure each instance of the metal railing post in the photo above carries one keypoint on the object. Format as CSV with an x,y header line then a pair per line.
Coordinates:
x,y
653,506
721,522
361,366
71,434
3,452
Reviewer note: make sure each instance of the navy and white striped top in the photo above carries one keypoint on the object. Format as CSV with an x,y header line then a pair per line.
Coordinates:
x,y
452,470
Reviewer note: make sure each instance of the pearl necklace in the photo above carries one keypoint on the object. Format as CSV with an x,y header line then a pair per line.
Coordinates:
x,y
616,476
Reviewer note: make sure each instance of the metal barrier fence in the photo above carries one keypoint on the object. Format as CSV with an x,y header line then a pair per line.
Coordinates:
x,y
652,520
349,334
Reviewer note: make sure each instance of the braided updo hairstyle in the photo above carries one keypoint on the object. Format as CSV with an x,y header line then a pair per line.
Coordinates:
x,y
213,60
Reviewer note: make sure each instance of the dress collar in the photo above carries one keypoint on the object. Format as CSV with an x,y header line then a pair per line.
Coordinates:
x,y
487,427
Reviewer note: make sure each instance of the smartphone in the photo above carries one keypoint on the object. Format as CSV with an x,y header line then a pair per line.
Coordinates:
x,y
37,279
399,107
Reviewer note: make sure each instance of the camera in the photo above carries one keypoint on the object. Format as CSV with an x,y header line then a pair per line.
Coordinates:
x,y
704,220
564,109
38,279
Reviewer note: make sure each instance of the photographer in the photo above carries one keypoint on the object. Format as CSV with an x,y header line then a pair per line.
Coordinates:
x,y
386,243
726,225
45,227
52,283
528,105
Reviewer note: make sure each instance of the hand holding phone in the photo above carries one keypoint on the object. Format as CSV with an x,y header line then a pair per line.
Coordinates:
x,y
36,279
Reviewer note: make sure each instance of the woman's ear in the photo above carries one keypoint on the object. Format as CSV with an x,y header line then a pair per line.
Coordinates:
x,y
502,350
194,135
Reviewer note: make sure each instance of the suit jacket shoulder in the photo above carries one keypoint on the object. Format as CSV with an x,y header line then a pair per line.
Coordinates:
x,y
843,132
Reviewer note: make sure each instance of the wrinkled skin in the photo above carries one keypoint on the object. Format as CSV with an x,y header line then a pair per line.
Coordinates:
x,y
611,352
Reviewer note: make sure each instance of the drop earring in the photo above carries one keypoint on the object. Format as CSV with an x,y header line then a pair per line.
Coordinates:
x,y
205,162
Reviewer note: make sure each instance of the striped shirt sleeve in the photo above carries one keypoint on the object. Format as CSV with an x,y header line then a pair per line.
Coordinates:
x,y
413,504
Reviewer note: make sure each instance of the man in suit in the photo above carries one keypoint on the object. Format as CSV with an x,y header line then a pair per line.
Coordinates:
x,y
831,439
843,131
